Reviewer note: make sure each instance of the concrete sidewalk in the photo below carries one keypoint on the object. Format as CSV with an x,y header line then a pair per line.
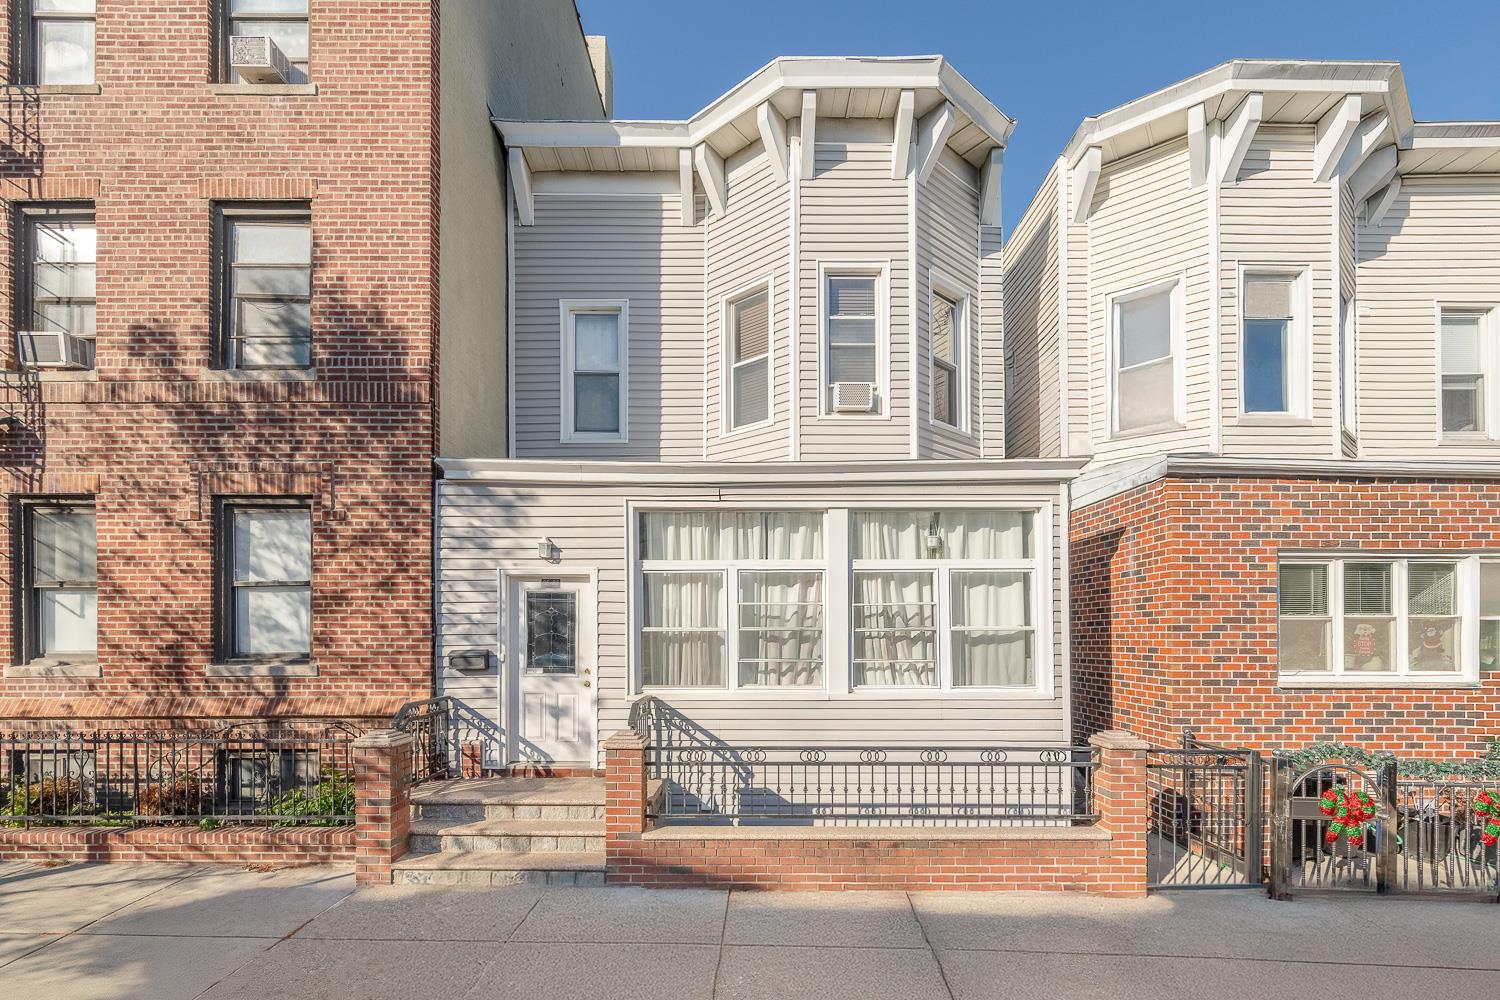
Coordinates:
x,y
166,932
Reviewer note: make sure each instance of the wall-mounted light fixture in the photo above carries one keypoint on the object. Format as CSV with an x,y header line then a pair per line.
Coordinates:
x,y
547,550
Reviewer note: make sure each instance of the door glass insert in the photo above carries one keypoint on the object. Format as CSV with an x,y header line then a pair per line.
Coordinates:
x,y
551,632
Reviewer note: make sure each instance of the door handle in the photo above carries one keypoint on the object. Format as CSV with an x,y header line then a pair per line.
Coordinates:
x,y
588,684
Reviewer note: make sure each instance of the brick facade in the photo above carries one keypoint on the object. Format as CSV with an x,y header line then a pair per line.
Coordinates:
x,y
155,433
1175,610
233,845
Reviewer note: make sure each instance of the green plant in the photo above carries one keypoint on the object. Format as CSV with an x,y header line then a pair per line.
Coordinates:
x,y
46,797
208,823
332,796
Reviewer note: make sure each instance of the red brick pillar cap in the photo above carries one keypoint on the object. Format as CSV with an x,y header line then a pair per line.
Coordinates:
x,y
626,739
1118,739
382,739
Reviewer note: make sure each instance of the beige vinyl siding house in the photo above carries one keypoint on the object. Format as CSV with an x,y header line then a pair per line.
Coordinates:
x,y
1033,364
734,484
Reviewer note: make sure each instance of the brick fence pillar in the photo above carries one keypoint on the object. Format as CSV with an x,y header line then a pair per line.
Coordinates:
x,y
1121,799
382,803
624,796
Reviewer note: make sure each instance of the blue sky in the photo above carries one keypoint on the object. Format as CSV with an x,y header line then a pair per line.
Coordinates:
x,y
1046,64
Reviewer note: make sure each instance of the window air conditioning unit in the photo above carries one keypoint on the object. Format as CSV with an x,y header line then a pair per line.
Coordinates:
x,y
54,349
257,59
853,397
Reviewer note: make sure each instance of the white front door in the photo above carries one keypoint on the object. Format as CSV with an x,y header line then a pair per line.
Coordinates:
x,y
551,671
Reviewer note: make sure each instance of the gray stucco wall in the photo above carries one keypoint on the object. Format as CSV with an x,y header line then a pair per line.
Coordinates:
x,y
515,59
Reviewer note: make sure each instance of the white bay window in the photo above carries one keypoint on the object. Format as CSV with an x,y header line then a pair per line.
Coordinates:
x,y
1376,619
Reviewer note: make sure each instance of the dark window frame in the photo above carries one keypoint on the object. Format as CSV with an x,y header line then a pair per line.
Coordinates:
x,y
27,605
223,26
23,264
225,215
224,588
24,56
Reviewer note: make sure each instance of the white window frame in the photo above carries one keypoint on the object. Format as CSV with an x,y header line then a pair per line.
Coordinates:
x,y
838,625
1299,344
727,363
1175,285
940,285
1402,677
1489,360
1483,618
880,269
1041,620
730,569
567,310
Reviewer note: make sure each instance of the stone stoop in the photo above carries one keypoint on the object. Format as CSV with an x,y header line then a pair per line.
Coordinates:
x,y
501,831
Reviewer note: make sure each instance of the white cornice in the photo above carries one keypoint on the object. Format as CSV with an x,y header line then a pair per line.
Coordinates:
x,y
1040,471
789,73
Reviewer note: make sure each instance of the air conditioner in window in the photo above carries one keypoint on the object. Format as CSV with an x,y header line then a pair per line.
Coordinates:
x,y
258,59
853,397
54,349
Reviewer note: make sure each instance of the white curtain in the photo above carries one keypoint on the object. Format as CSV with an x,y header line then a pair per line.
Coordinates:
x,y
895,629
680,535
777,535
781,629
962,534
696,535
992,640
682,637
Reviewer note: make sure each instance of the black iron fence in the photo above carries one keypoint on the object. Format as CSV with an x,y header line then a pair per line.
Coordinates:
x,y
234,775
451,739
1206,821
700,779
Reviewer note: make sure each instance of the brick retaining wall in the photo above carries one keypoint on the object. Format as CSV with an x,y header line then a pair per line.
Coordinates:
x,y
296,845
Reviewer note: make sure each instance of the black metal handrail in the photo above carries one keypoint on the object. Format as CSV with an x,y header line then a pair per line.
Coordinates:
x,y
451,739
874,785
264,774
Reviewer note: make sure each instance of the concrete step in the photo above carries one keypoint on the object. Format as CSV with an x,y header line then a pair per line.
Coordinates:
x,y
500,868
510,836
473,800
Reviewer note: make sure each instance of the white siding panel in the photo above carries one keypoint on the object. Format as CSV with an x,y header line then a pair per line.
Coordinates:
x,y
1031,329
484,526
605,246
1439,243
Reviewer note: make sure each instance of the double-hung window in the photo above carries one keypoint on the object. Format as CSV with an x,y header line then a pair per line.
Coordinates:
x,y
943,599
1467,354
851,330
60,606
1144,342
1366,618
57,283
948,338
265,286
1489,615
1271,345
748,320
595,359
731,599
265,581
282,21
59,45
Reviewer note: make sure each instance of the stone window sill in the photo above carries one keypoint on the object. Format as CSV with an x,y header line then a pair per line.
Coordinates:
x,y
263,89
65,375
48,667
269,668
1346,682
48,89
260,375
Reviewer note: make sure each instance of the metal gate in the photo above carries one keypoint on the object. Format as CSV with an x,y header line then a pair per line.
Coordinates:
x,y
1426,837
1206,818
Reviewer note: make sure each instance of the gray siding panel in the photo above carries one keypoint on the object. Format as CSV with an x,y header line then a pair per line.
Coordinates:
x,y
1031,329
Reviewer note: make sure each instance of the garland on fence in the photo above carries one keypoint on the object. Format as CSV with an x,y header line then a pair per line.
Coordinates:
x,y
1350,811
1487,805
1487,766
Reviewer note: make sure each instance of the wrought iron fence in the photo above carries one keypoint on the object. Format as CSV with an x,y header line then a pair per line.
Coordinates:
x,y
1440,844
239,774
873,785
1206,819
452,740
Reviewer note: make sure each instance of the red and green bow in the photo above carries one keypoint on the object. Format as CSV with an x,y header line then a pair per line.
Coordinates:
x,y
1487,806
1350,811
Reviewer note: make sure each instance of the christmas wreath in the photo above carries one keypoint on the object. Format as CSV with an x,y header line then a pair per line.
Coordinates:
x,y
1350,811
1487,805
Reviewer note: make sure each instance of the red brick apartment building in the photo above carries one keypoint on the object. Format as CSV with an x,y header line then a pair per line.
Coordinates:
x,y
225,271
